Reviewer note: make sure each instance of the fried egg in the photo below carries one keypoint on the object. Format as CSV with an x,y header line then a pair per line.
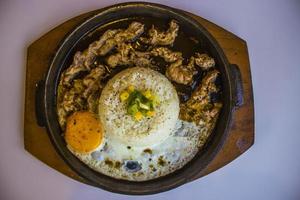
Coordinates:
x,y
145,149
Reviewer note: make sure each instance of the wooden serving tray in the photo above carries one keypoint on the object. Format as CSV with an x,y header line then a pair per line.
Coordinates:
x,y
40,53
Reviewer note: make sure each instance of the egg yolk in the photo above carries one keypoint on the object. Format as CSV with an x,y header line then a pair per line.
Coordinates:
x,y
83,132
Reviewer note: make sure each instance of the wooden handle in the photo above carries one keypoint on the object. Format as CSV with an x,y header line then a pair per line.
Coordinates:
x,y
237,85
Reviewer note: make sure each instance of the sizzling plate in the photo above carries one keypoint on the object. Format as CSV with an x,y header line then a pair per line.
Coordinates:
x,y
116,13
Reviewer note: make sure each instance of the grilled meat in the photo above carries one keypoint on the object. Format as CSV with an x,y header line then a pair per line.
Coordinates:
x,y
162,38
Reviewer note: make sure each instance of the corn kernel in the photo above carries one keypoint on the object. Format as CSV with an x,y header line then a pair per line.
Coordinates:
x,y
124,96
131,88
138,116
150,113
155,100
148,94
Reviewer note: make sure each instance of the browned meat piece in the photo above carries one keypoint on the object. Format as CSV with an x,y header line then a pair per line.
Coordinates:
x,y
77,67
207,123
83,60
92,80
191,65
141,59
92,102
176,71
117,59
93,47
166,54
78,86
91,52
78,96
180,73
72,101
95,75
128,56
134,30
204,61
120,58
162,38
93,86
184,74
199,108
207,86
213,113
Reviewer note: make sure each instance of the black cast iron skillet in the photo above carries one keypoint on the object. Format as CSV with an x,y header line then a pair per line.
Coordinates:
x,y
119,16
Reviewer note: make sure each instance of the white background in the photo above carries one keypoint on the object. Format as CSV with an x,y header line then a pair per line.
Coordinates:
x,y
269,170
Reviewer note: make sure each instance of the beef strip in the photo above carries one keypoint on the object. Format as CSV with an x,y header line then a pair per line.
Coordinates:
x,y
180,73
199,108
92,80
76,67
134,30
141,59
162,38
127,55
166,54
83,61
204,61
207,86
81,95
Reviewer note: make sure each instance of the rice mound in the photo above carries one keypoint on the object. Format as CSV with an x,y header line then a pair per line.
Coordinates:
x,y
121,127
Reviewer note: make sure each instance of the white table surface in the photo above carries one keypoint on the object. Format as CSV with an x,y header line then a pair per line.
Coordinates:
x,y
269,170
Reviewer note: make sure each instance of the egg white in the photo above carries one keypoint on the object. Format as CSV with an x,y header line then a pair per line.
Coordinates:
x,y
174,152
167,146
